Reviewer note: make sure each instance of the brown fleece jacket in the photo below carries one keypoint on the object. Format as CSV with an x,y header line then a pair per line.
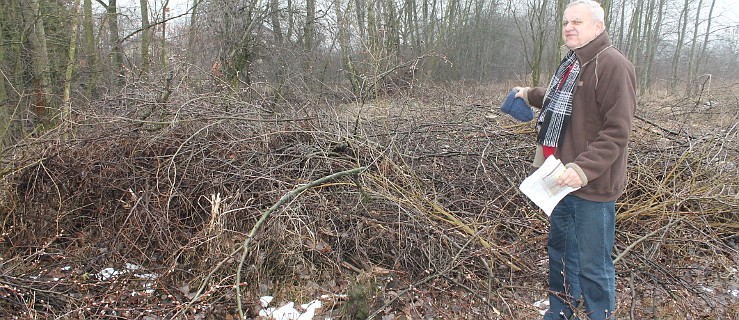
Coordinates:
x,y
603,107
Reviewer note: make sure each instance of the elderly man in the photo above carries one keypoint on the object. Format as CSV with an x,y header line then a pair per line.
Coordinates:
x,y
585,121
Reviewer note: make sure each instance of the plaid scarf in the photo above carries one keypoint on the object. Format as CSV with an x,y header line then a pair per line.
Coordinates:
x,y
557,109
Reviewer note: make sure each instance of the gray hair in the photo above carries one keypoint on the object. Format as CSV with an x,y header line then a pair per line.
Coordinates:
x,y
598,12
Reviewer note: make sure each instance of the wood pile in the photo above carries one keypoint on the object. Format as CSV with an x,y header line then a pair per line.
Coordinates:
x,y
433,219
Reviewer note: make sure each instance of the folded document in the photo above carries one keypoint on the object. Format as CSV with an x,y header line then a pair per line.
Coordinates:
x,y
542,187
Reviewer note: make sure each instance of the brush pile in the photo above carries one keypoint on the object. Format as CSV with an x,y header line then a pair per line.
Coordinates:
x,y
135,214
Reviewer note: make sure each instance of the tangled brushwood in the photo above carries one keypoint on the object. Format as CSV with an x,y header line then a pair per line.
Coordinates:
x,y
167,213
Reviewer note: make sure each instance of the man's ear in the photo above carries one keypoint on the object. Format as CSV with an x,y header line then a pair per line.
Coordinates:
x,y
600,26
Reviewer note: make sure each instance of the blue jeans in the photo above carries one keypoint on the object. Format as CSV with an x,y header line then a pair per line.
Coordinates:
x,y
581,236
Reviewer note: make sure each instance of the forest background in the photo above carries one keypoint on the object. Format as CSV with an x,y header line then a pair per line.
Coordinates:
x,y
298,148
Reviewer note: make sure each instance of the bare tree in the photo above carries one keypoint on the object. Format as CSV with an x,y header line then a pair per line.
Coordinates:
x,y
274,12
635,32
621,24
391,29
163,40
6,118
90,64
691,54
290,20
41,63
66,102
114,40
360,8
3,93
538,29
342,21
679,45
429,23
281,68
653,38
309,31
704,46
607,7
561,5
145,37
191,50
410,15
244,21
309,40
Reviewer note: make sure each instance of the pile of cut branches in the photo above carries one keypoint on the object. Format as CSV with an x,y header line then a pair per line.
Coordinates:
x,y
172,203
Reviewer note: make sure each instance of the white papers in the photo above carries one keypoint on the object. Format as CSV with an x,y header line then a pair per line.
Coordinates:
x,y
542,187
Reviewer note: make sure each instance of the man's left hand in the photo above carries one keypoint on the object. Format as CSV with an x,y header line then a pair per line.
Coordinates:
x,y
570,178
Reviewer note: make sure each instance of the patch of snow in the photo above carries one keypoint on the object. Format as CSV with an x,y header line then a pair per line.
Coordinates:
x,y
132,267
289,312
734,292
542,305
707,289
265,301
286,312
310,310
108,273
146,276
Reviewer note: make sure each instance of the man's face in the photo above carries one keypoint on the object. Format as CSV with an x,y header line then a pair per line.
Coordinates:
x,y
579,26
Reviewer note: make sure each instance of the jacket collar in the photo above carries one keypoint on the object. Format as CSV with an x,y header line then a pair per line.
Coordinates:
x,y
590,51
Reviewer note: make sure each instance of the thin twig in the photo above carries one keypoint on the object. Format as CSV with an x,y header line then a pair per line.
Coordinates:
x,y
633,244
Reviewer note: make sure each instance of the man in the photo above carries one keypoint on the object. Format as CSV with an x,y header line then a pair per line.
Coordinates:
x,y
585,121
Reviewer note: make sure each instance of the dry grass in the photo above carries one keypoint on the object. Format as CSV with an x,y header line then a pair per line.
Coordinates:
x,y
435,223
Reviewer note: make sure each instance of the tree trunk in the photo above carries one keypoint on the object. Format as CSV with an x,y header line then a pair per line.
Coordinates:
x,y
241,53
90,64
372,27
6,118
702,55
361,11
654,43
411,21
343,33
535,29
642,69
3,93
635,29
14,16
274,11
41,64
66,101
116,54
621,26
309,32
691,56
145,38
430,29
607,7
679,47
163,40
191,50
290,20
561,5
392,29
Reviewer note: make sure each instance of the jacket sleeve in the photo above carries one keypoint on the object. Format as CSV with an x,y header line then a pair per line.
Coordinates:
x,y
534,96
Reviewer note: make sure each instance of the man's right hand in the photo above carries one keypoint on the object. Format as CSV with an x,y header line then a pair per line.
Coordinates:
x,y
519,92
